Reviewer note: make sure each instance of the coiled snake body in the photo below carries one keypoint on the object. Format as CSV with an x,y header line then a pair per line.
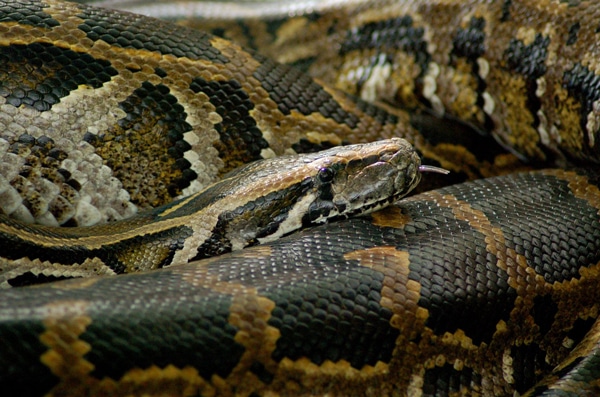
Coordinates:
x,y
482,288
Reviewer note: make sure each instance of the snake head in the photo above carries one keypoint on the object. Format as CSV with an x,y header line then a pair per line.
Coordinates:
x,y
358,179
275,197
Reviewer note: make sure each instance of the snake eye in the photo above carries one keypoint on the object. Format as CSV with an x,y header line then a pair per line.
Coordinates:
x,y
326,175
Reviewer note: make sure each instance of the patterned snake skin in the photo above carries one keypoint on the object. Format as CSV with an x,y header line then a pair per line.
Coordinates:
x,y
488,287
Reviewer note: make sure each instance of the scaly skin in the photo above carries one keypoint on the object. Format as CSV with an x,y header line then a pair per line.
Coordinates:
x,y
478,289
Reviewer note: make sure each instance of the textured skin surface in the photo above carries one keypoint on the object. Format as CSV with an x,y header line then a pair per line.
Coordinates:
x,y
442,293
161,97
478,289
524,70
256,203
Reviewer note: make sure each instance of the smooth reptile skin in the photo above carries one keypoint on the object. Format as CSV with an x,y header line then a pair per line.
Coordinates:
x,y
484,288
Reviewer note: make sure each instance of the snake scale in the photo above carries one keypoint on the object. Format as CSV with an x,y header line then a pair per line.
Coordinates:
x,y
486,287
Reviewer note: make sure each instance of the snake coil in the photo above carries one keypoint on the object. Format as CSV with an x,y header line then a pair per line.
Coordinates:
x,y
487,287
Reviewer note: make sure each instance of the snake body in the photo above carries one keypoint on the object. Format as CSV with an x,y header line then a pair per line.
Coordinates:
x,y
443,293
256,203
482,288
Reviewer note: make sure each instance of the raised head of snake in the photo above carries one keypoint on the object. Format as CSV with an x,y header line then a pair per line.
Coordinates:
x,y
256,203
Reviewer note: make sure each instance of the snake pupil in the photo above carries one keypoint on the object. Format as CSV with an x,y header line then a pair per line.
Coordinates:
x,y
326,175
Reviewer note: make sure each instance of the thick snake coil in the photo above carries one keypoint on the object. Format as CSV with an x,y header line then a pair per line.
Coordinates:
x,y
487,287
254,204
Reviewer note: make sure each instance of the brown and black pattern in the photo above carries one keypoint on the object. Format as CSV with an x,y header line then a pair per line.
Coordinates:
x,y
369,305
525,72
256,203
99,82
479,289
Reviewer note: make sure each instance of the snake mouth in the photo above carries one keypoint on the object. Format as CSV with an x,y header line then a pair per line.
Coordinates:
x,y
376,205
341,212
367,209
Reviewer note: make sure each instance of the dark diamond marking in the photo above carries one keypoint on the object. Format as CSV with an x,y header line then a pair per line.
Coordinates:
x,y
528,60
143,33
241,139
27,13
293,90
38,75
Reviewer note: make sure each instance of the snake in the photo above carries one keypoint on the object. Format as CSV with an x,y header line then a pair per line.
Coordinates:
x,y
487,286
280,195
